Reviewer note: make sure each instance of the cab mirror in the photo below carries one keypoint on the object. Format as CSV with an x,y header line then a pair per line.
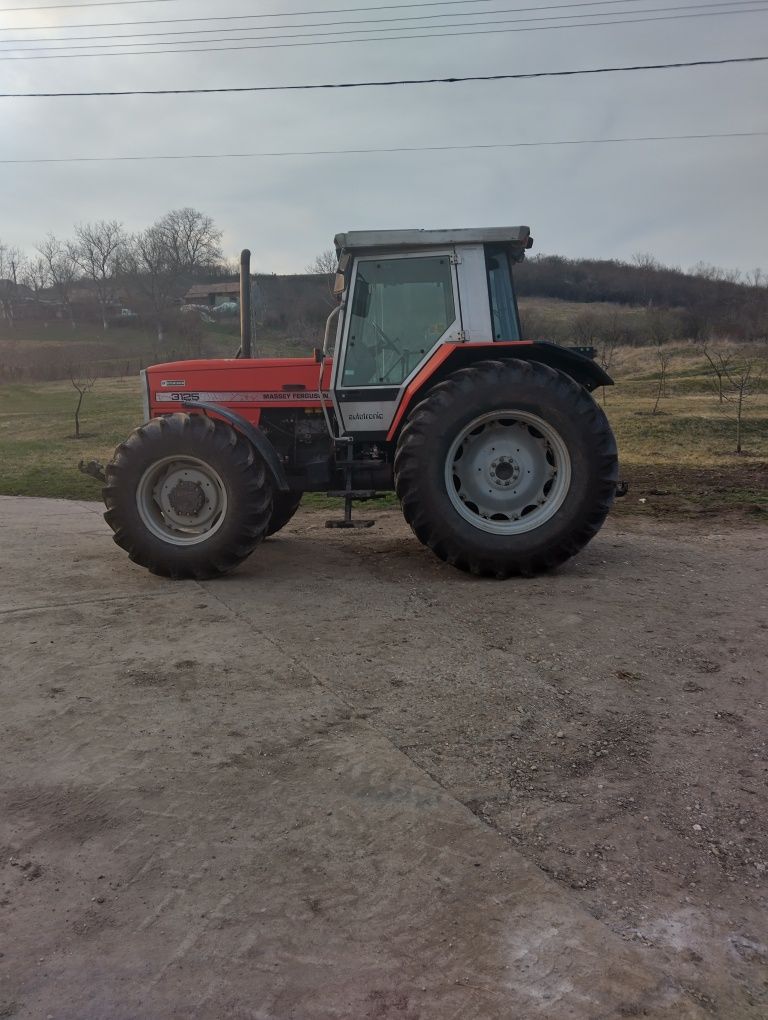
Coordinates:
x,y
339,284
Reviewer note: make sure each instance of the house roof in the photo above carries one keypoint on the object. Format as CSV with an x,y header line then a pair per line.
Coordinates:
x,y
203,289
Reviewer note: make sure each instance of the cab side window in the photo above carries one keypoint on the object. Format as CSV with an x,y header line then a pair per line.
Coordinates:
x,y
506,322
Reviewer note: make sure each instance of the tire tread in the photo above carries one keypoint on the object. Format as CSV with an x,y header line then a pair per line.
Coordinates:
x,y
202,435
461,389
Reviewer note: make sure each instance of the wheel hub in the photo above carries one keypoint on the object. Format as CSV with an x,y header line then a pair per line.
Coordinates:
x,y
187,499
503,471
507,472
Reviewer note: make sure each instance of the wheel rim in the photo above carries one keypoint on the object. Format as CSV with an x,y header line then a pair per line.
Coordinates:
x,y
507,472
182,500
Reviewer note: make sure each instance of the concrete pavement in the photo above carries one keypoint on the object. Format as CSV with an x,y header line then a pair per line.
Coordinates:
x,y
194,824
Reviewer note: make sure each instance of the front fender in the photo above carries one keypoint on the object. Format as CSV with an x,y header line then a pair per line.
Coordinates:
x,y
252,433
579,366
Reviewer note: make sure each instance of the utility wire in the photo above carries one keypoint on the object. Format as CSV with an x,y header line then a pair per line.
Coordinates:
x,y
36,48
351,10
292,14
68,7
385,84
402,148
391,38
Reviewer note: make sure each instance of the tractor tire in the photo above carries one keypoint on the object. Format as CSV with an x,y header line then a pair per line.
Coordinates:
x,y
284,506
506,468
187,497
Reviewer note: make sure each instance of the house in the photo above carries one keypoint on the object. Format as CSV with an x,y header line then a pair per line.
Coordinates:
x,y
290,302
85,304
212,294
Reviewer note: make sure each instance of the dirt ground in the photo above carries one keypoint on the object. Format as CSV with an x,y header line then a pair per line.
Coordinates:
x,y
348,781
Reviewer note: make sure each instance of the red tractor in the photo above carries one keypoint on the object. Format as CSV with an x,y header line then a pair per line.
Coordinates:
x,y
502,461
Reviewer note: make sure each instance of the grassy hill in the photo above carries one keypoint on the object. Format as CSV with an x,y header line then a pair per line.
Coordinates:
x,y
697,305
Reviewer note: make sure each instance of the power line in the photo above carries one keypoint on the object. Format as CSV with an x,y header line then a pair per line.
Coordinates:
x,y
347,21
36,48
391,38
384,84
295,14
402,148
67,7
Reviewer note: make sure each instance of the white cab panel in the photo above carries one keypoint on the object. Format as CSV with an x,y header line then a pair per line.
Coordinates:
x,y
372,415
473,293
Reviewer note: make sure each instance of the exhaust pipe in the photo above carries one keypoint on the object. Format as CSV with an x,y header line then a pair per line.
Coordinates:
x,y
245,303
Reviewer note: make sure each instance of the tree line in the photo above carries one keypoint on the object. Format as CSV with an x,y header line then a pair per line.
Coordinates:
x,y
699,305
151,269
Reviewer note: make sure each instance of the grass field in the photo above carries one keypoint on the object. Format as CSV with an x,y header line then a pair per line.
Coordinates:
x,y
34,352
679,461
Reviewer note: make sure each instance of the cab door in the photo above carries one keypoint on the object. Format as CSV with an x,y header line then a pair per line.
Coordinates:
x,y
399,309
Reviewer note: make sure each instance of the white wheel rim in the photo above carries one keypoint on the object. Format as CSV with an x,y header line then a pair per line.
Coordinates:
x,y
181,500
507,472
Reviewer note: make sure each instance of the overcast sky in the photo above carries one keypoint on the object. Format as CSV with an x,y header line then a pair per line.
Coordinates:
x,y
683,201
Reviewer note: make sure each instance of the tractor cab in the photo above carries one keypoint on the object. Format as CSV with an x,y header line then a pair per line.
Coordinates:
x,y
403,294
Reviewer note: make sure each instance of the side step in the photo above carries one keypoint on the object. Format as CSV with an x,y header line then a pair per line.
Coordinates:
x,y
359,494
349,494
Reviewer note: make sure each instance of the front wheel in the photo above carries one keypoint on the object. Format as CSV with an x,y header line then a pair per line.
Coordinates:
x,y
507,467
187,497
284,506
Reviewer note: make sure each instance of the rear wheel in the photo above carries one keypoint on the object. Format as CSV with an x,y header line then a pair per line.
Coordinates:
x,y
284,506
187,497
507,467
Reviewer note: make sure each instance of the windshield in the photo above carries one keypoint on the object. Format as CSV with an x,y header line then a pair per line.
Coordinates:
x,y
400,308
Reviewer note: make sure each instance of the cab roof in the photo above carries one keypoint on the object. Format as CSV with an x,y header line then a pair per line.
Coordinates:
x,y
353,240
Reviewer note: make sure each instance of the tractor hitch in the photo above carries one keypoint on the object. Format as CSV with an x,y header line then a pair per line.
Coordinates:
x,y
93,468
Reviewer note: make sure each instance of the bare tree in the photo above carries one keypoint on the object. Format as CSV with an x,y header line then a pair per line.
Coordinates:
x,y
719,363
191,239
152,275
83,384
62,270
36,276
742,382
98,250
324,264
644,260
12,263
606,350
663,358
756,278
585,328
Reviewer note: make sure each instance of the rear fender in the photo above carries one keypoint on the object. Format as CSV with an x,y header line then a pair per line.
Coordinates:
x,y
450,357
252,433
